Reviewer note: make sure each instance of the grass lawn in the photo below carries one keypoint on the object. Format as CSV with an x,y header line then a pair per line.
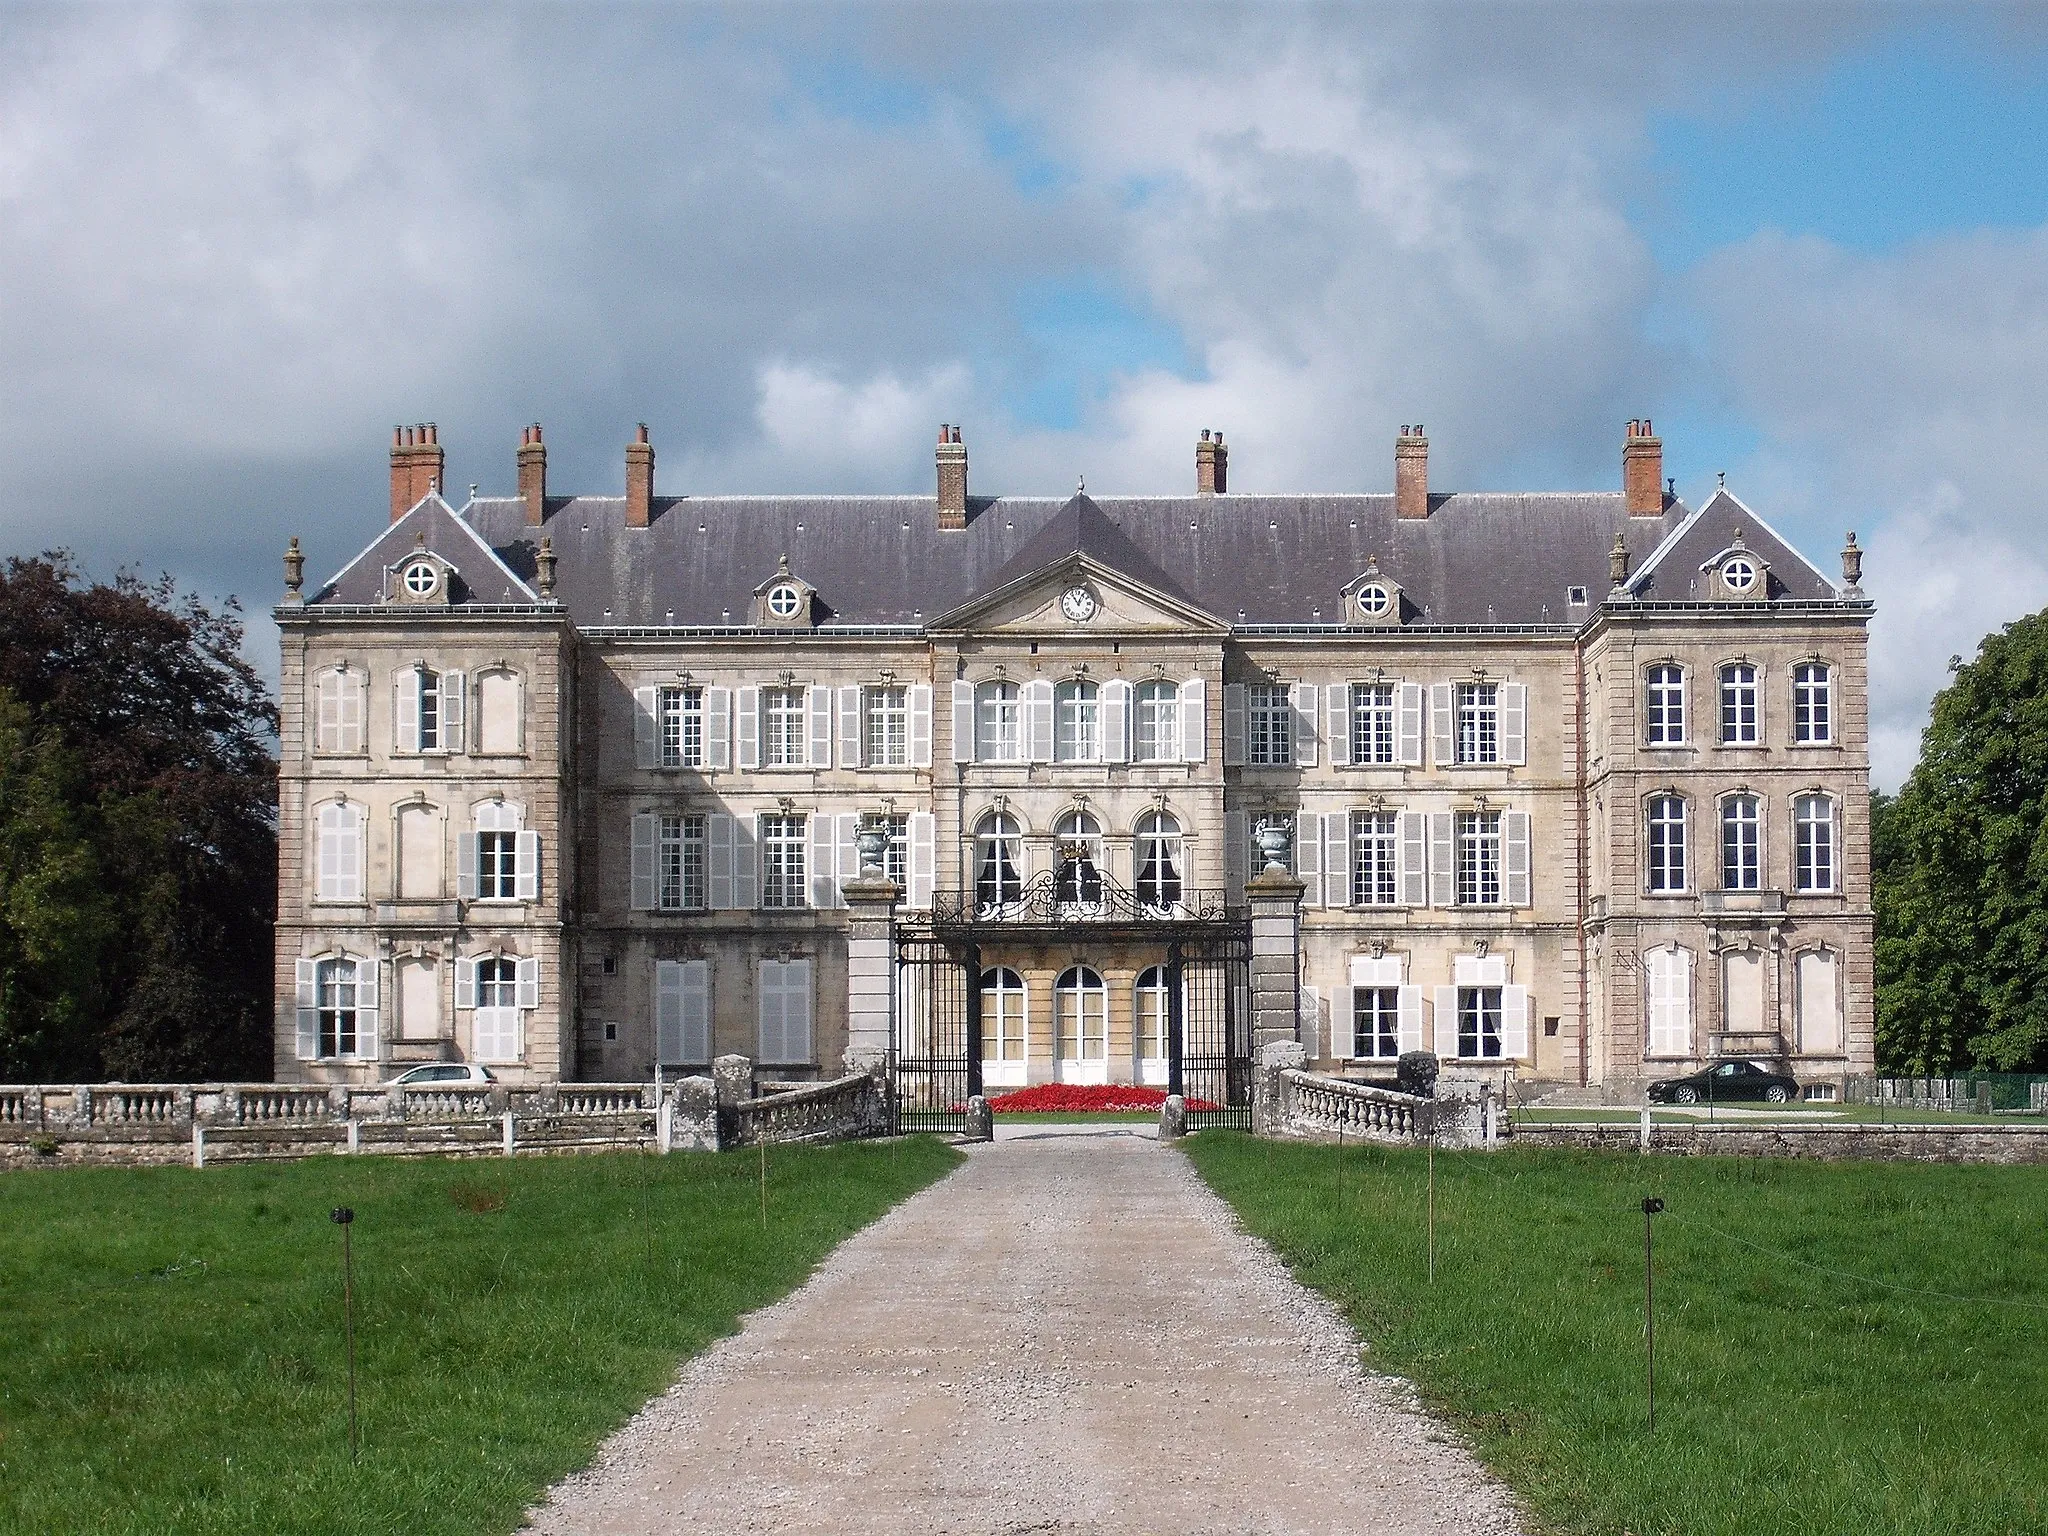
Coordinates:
x,y
1790,1396
171,1356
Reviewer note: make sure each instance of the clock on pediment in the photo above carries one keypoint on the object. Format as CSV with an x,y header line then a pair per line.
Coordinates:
x,y
1079,604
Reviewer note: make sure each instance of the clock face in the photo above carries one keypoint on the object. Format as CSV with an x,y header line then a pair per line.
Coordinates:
x,y
1078,604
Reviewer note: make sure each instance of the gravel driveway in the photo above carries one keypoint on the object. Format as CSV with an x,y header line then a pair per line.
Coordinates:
x,y
1068,1334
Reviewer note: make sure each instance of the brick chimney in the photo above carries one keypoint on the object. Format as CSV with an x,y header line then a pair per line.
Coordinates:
x,y
1642,471
1411,474
639,480
533,475
416,465
952,462
1212,465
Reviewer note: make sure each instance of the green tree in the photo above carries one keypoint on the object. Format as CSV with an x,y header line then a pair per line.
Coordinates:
x,y
142,853
1960,871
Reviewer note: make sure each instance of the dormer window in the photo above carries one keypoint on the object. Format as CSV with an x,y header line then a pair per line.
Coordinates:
x,y
784,600
1372,597
1374,600
421,578
1738,573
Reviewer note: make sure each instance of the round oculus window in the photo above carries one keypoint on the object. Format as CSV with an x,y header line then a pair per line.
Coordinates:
x,y
1738,574
784,600
1375,601
1078,604
421,578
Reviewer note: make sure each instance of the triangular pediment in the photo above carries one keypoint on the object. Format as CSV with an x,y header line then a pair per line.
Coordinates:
x,y
434,531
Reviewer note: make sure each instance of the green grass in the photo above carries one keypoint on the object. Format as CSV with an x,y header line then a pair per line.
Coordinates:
x,y
1789,1398
171,1356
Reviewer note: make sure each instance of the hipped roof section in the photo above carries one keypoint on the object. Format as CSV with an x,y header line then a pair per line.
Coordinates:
x,y
1673,571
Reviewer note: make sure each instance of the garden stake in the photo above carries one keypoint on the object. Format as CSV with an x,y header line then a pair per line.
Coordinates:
x,y
764,1181
1651,1206
1432,1213
342,1217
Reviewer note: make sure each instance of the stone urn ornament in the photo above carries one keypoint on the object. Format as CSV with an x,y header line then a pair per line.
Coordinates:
x,y
1275,837
873,842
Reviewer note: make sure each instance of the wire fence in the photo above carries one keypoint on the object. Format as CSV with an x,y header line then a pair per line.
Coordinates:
x,y
1981,1093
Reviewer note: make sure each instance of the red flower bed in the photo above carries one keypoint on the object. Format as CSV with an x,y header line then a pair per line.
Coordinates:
x,y
1080,1098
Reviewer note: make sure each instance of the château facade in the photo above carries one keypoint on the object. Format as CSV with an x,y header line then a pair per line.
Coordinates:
x,y
1577,784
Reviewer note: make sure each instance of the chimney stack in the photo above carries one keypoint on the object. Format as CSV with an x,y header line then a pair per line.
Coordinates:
x,y
639,480
1642,471
1212,465
1411,473
952,464
416,465
533,475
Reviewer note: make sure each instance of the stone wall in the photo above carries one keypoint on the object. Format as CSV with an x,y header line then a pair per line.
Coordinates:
x,y
1831,1143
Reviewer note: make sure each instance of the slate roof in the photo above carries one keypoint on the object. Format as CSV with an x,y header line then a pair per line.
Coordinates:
x,y
1673,571
481,573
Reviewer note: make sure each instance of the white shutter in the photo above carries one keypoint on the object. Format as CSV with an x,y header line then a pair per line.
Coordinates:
x,y
718,841
1116,721
796,1017
821,726
526,975
327,712
1444,719
668,1013
696,1012
366,1010
465,865
645,890
1447,1022
1443,860
921,725
1410,725
405,710
963,721
1308,856
526,866
355,688
350,857
1515,857
1412,856
1235,725
1236,848
1038,720
1514,1023
849,855
747,727
1514,723
1194,720
746,866
718,728
454,711
1305,697
646,740
465,982
1339,711
1408,1020
1308,1009
823,852
924,847
308,983
1337,860
850,742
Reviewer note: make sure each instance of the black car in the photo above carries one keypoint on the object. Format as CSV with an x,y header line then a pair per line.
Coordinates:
x,y
1727,1082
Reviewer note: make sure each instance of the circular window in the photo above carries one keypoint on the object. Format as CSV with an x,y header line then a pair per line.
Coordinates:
x,y
1375,601
1738,574
421,578
784,600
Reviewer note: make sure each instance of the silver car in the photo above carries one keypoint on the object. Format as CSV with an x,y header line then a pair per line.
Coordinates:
x,y
443,1074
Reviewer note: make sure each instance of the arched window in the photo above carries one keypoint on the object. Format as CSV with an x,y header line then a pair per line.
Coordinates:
x,y
1002,1023
1741,844
1666,705
1077,878
429,709
1669,998
998,724
499,860
501,719
1081,1019
1813,701
1152,1017
335,997
1158,734
1078,738
338,710
998,861
1738,705
1158,860
1813,843
338,874
1666,843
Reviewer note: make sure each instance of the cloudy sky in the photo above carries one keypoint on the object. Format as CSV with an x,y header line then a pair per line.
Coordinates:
x,y
1810,242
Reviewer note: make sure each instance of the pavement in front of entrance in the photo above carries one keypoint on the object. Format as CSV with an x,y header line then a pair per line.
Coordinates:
x,y
1067,1335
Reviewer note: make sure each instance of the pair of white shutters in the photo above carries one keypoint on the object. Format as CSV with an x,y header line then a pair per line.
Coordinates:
x,y
732,727
917,702
1443,858
1512,703
1329,707
732,859
785,994
1115,711
1491,971
498,1033
682,1012
717,720
1385,971
338,843
1322,858
405,706
338,711
1669,973
368,1038
525,856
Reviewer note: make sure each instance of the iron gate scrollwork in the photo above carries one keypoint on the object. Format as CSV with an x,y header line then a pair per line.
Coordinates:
x,y
1209,1026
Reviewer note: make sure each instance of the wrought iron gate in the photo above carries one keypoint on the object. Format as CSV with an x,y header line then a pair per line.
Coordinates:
x,y
1209,1026
935,1065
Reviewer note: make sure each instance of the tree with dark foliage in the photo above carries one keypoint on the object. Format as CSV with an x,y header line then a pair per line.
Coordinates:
x,y
138,833
1960,869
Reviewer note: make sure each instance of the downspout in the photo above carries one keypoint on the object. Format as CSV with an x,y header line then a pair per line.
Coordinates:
x,y
1585,1010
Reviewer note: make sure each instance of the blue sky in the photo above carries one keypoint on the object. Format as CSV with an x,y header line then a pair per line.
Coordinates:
x,y
1810,242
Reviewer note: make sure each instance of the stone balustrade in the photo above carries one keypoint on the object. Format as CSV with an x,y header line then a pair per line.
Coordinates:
x,y
847,1109
1356,1111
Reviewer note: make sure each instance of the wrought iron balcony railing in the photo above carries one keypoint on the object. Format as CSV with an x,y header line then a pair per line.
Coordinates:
x,y
1065,898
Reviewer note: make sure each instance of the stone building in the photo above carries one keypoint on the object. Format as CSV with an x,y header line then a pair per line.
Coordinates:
x,y
1577,783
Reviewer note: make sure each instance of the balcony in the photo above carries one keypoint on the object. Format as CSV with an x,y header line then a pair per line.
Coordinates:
x,y
1765,1043
1070,902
